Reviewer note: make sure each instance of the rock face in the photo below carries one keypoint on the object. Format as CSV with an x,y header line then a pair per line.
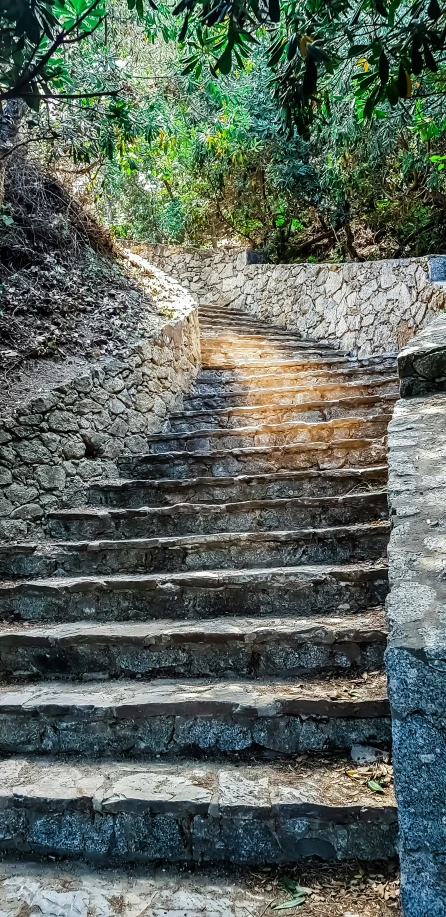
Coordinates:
x,y
416,612
367,307
189,658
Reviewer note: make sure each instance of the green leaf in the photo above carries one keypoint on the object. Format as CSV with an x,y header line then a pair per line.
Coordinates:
x,y
375,786
292,902
183,31
402,82
288,883
392,92
371,102
357,50
274,10
383,67
433,10
224,62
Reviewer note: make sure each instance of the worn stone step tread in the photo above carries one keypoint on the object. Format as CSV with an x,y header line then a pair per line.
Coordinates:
x,y
272,365
244,328
364,627
319,788
208,579
130,492
245,647
363,475
53,548
187,552
332,696
354,401
182,892
269,351
221,335
349,444
263,429
239,381
244,331
99,512
254,460
295,388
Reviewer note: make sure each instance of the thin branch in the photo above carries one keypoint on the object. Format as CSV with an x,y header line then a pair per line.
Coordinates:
x,y
70,95
39,139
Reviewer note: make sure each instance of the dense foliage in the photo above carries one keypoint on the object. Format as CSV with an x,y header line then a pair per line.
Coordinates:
x,y
166,142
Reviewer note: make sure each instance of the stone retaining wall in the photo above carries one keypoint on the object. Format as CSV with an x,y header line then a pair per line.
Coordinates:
x,y
416,608
56,443
366,307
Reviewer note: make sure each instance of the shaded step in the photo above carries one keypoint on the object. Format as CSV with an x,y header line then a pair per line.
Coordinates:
x,y
193,813
362,406
292,394
197,552
343,453
273,434
250,648
297,591
136,493
172,718
211,518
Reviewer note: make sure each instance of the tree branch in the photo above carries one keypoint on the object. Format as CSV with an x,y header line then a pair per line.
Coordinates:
x,y
71,95
39,139
29,75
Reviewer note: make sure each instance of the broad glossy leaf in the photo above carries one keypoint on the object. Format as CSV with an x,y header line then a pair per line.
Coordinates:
x,y
224,62
274,10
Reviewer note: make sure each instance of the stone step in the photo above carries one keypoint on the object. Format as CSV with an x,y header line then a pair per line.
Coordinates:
x,y
343,453
341,544
185,813
289,394
316,411
244,333
310,483
241,350
211,518
273,434
221,648
192,718
245,365
220,382
244,330
327,363
180,892
282,591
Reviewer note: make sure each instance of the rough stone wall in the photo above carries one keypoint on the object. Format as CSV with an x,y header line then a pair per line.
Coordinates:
x,y
55,444
366,307
416,609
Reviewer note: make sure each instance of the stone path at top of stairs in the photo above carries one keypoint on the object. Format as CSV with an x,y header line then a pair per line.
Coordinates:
x,y
188,662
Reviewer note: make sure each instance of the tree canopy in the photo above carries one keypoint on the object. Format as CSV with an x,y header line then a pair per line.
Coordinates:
x,y
310,46
174,124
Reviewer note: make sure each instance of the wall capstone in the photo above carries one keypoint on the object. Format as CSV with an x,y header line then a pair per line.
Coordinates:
x,y
53,445
416,610
365,307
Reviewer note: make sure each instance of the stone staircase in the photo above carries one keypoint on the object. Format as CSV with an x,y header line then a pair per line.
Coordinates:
x,y
188,662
